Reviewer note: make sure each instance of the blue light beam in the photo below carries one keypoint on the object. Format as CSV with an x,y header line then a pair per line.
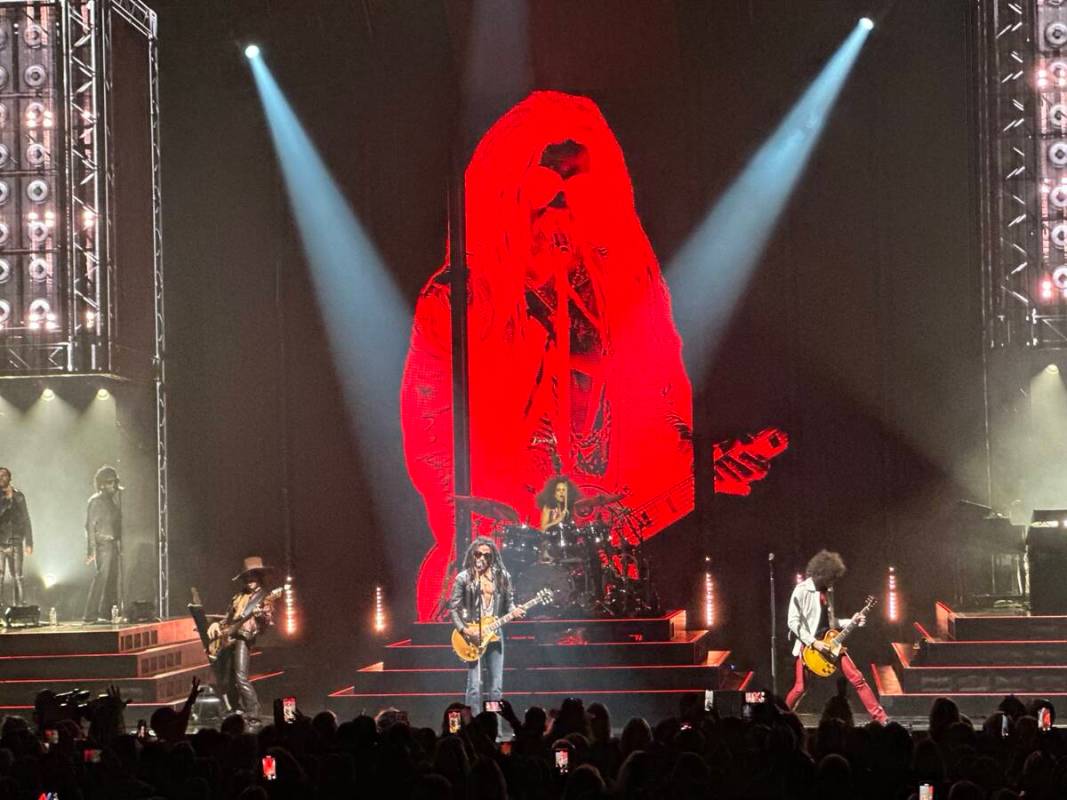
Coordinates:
x,y
713,267
366,320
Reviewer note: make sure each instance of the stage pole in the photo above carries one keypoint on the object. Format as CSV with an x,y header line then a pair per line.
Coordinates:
x,y
774,625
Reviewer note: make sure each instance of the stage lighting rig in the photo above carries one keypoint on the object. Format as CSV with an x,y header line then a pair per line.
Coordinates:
x,y
252,51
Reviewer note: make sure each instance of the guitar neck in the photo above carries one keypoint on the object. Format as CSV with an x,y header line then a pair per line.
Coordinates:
x,y
511,614
845,631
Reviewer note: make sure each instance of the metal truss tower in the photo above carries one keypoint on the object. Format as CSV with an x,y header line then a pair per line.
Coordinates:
x,y
81,256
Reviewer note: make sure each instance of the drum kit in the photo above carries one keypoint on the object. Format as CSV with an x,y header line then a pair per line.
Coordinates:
x,y
593,565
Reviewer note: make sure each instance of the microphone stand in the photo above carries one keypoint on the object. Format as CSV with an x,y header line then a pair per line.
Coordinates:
x,y
774,626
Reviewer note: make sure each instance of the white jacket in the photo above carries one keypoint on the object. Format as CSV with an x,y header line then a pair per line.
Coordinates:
x,y
803,617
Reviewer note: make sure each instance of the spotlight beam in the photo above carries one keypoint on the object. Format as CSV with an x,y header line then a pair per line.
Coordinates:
x,y
366,320
713,267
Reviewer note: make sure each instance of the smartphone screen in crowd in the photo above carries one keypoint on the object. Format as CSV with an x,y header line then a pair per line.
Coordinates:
x,y
709,699
926,791
270,769
142,729
51,736
1044,719
492,705
289,710
1004,725
455,721
562,757
91,756
505,747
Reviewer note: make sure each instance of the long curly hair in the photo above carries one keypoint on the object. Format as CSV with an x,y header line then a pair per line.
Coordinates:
x,y
547,496
825,568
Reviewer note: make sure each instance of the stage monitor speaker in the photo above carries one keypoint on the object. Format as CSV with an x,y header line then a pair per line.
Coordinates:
x,y
1046,553
22,616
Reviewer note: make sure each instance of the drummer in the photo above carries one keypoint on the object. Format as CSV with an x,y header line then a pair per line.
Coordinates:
x,y
556,501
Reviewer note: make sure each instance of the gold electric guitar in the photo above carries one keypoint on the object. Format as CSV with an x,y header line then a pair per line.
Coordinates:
x,y
825,664
471,651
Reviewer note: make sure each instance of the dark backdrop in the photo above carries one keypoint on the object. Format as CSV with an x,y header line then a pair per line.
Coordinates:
x,y
859,334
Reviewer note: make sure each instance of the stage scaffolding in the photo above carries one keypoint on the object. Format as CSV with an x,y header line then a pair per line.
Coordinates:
x,y
81,235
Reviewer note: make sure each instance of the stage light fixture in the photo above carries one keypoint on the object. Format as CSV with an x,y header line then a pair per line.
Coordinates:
x,y
1059,277
1058,236
892,603
1052,369
48,394
1046,290
37,190
35,76
1057,153
1057,115
37,154
1058,197
5,312
379,609
103,394
22,616
49,579
33,35
867,23
289,596
252,51
709,595
39,269
1056,34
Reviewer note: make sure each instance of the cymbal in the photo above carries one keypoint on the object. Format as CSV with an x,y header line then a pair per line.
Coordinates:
x,y
587,504
487,507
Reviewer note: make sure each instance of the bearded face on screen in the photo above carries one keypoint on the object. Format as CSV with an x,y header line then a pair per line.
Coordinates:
x,y
573,360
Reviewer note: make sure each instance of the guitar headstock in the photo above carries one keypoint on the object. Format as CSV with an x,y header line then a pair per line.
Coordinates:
x,y
544,596
869,603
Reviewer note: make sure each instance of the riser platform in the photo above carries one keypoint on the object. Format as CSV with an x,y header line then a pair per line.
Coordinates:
x,y
140,664
74,639
373,680
427,709
966,626
653,629
690,647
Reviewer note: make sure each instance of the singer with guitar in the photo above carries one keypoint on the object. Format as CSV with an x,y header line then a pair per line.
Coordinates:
x,y
811,614
481,589
231,637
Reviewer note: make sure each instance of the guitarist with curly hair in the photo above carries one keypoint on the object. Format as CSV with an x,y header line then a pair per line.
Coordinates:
x,y
811,615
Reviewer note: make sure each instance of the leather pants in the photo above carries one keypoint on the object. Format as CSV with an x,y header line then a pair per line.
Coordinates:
x,y
239,690
11,556
104,591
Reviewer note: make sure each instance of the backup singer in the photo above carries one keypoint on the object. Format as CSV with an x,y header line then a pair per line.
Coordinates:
x,y
16,533
556,501
103,545
482,588
251,612
811,614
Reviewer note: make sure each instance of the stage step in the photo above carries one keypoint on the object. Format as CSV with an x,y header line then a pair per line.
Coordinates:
x,y
687,647
976,678
111,666
976,705
151,663
997,626
77,639
935,651
426,709
651,629
375,679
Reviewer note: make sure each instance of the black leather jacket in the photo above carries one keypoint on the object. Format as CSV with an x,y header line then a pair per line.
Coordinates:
x,y
465,603
15,520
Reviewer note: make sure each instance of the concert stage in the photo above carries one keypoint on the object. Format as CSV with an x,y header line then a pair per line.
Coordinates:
x,y
151,663
976,658
636,667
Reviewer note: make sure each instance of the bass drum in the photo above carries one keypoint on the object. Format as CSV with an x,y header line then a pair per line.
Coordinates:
x,y
540,576
520,547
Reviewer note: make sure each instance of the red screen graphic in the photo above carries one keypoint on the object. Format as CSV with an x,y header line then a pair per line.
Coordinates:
x,y
573,358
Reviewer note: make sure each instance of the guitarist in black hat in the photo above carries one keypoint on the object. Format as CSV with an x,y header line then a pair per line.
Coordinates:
x,y
250,613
